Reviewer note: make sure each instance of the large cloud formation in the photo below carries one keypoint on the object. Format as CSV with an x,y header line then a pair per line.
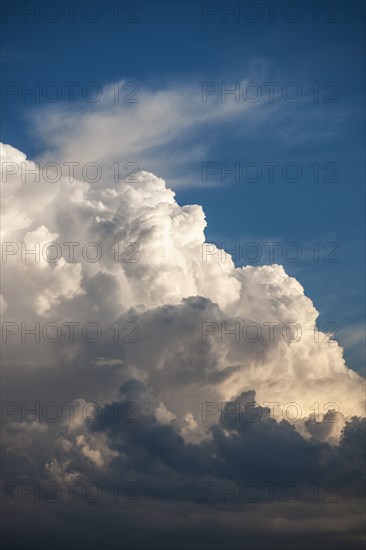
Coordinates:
x,y
218,374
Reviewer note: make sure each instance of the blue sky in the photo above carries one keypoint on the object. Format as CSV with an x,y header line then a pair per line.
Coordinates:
x,y
180,46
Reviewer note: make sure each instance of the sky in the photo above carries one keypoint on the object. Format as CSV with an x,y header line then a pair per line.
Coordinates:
x,y
321,51
219,128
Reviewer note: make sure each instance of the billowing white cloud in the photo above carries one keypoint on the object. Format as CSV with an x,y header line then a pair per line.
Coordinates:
x,y
135,356
173,300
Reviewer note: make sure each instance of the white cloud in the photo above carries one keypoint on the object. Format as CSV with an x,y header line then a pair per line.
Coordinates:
x,y
162,373
149,132
181,369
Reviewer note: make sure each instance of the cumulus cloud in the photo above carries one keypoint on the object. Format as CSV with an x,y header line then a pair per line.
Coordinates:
x,y
181,303
199,344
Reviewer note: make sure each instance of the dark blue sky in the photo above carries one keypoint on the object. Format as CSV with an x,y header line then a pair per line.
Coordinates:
x,y
163,44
